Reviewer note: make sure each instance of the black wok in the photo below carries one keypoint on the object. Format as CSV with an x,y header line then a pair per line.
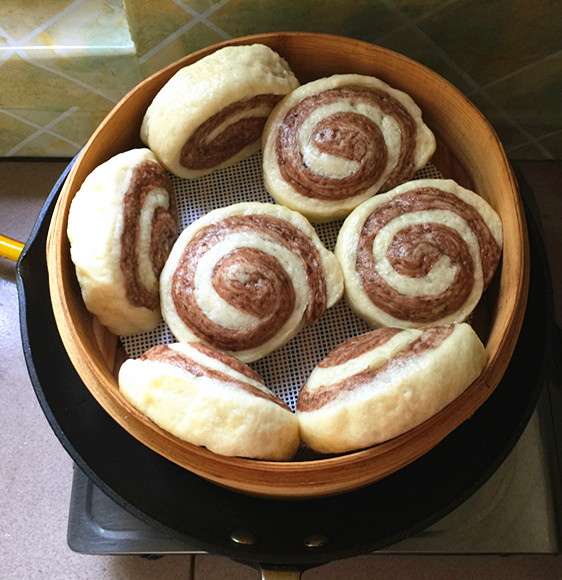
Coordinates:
x,y
279,533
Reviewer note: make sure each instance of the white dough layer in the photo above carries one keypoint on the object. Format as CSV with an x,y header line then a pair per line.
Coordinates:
x,y
204,398
246,278
334,142
95,230
372,394
430,238
221,102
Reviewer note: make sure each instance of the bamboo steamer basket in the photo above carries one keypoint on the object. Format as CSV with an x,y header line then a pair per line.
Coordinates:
x,y
468,151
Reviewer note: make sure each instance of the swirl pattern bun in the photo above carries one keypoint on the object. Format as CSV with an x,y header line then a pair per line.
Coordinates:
x,y
420,254
333,143
379,385
246,278
211,114
121,226
203,396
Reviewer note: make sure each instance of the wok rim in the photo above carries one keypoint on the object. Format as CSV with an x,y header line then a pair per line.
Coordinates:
x,y
24,275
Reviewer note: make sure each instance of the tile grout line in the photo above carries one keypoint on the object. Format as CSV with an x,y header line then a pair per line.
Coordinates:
x,y
71,79
168,40
41,130
531,139
539,145
476,87
51,123
202,17
17,44
408,23
197,18
411,23
524,68
551,134
434,10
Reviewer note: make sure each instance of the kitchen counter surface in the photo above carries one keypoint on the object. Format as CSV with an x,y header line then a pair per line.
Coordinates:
x,y
36,472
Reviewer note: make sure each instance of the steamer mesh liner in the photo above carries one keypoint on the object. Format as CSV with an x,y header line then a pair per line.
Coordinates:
x,y
286,370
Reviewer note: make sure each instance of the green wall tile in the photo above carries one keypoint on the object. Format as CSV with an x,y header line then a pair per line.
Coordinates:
x,y
200,6
516,142
197,37
362,19
506,55
46,145
12,132
41,88
409,42
41,96
533,96
492,39
74,127
112,75
153,21
509,135
527,151
417,8
19,18
80,124
553,143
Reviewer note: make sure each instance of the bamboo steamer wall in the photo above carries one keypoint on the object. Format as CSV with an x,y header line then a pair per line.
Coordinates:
x,y
468,151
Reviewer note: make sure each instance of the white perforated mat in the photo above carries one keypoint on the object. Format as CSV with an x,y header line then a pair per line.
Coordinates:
x,y
286,370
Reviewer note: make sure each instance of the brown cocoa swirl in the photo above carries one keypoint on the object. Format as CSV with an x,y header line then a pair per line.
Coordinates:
x,y
163,353
198,153
230,361
263,274
146,177
350,136
249,279
415,249
430,339
358,345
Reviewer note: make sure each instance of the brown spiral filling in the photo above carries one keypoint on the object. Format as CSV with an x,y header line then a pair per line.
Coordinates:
x,y
200,153
163,353
430,339
146,177
416,249
250,280
347,135
358,345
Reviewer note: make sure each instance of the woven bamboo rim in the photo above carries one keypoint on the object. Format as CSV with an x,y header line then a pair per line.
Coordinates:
x,y
468,151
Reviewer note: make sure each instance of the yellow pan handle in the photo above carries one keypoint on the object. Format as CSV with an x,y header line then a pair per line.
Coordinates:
x,y
10,249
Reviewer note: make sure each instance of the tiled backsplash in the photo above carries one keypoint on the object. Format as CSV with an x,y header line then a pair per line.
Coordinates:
x,y
64,63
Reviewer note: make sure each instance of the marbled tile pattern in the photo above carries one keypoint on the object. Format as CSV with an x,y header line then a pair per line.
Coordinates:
x,y
359,19
65,63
